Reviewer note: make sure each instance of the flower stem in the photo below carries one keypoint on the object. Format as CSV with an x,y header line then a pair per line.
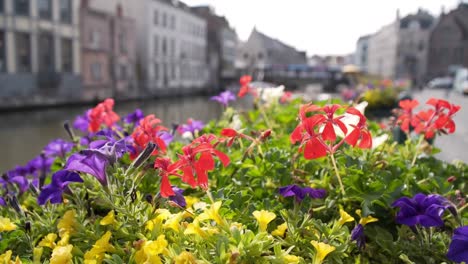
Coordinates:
x,y
416,153
337,174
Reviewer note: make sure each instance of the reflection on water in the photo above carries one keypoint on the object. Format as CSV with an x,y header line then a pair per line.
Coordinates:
x,y
23,135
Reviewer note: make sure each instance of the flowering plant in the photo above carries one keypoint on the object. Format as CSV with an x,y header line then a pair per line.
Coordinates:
x,y
238,190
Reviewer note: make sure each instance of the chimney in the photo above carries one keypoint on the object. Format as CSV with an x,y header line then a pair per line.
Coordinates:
x,y
398,14
442,10
119,10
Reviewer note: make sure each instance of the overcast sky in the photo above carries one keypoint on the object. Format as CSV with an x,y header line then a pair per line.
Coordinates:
x,y
318,26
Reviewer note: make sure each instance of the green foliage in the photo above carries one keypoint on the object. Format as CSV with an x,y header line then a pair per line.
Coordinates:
x,y
373,180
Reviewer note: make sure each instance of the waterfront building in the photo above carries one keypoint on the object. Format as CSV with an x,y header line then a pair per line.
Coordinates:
x,y
39,51
222,42
399,50
171,46
108,48
362,53
449,42
263,53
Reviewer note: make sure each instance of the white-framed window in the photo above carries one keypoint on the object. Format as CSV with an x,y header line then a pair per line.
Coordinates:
x,y
96,71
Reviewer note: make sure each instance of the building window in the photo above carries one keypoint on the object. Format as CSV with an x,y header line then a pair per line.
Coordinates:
x,y
65,11
22,7
46,52
2,51
67,55
156,71
164,47
173,71
173,48
2,6
122,42
173,22
123,72
156,17
156,46
96,71
164,20
23,52
44,9
95,39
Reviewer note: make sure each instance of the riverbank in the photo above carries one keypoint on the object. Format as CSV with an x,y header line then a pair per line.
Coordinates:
x,y
11,105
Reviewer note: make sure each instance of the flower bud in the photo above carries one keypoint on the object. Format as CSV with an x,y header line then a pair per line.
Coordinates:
x,y
451,178
69,130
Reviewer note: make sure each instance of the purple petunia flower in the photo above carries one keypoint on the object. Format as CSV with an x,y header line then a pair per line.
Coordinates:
x,y
95,161
135,117
192,126
358,235
300,193
40,165
60,180
422,210
224,98
2,202
82,122
458,249
178,198
58,148
166,137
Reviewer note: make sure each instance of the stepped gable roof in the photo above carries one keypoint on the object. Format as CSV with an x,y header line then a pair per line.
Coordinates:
x,y
423,17
273,44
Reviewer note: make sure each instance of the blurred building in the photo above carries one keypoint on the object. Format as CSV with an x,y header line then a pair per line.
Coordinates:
x,y
399,50
361,56
449,42
222,43
171,46
262,52
108,48
39,50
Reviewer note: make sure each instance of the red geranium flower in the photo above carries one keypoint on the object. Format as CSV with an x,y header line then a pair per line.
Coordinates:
x,y
103,113
431,121
197,159
316,131
360,132
148,131
245,86
166,168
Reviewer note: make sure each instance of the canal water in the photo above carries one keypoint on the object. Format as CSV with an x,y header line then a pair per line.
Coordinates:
x,y
24,134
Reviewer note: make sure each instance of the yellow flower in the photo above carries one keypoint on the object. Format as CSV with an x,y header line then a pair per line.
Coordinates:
x,y
195,229
109,219
291,259
97,253
173,222
279,231
64,240
322,251
37,254
344,218
6,224
150,251
212,213
190,200
163,214
62,255
263,218
365,220
68,223
185,258
6,257
48,241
